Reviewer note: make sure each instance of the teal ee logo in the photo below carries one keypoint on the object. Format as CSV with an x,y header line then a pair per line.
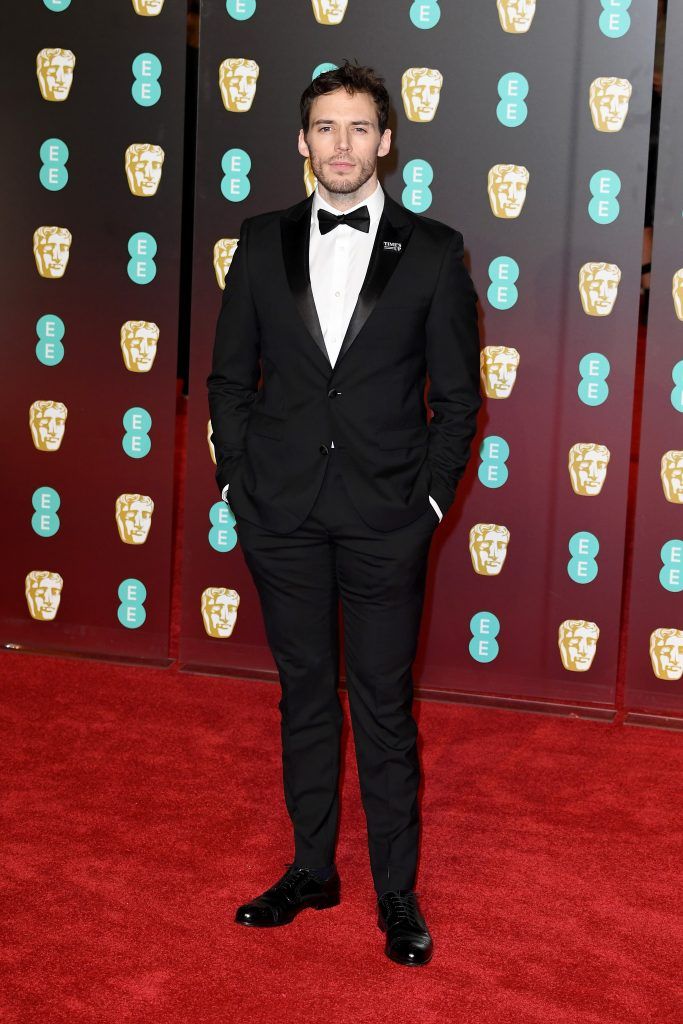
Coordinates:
x,y
53,174
50,330
494,452
484,627
142,248
418,176
56,5
672,561
137,423
605,186
425,13
131,612
593,387
582,567
615,21
235,184
45,521
677,393
502,292
146,90
513,89
322,68
222,535
240,10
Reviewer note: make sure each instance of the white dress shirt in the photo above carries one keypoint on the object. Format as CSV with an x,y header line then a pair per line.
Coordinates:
x,y
338,262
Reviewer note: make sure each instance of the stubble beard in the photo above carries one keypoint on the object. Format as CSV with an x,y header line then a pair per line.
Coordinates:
x,y
342,186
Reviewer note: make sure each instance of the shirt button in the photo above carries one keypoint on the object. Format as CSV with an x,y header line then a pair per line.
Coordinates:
x,y
324,450
337,294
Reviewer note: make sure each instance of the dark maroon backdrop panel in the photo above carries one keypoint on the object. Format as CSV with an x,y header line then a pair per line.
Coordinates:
x,y
93,168
655,616
538,153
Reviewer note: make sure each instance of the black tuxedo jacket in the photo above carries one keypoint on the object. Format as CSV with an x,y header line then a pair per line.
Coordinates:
x,y
276,402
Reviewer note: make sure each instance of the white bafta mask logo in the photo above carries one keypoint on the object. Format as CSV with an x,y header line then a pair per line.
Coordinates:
x,y
237,78
55,70
608,101
329,12
420,92
507,185
223,252
133,516
219,611
671,474
43,593
577,640
588,467
666,653
148,8
498,370
139,340
677,292
47,420
209,438
598,287
51,247
516,15
488,548
143,161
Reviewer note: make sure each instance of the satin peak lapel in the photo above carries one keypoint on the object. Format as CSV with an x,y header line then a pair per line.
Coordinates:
x,y
390,243
295,243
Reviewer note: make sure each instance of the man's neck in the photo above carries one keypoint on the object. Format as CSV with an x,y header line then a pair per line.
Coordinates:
x,y
345,200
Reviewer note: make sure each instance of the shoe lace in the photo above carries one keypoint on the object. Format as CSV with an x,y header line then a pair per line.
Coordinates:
x,y
402,905
292,880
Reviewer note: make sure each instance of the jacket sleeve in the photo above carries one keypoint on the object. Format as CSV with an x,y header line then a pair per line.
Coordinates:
x,y
235,369
453,367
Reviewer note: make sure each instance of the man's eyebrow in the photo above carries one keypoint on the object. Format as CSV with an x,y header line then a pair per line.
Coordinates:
x,y
330,120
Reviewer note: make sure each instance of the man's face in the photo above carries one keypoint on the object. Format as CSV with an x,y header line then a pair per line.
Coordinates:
x,y
343,140
329,12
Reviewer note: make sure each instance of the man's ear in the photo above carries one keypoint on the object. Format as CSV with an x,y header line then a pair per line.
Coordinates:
x,y
301,144
384,143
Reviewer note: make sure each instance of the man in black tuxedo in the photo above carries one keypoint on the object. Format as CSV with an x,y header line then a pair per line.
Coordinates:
x,y
334,312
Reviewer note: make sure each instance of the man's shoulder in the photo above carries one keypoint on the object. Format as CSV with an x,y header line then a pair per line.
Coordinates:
x,y
431,229
261,221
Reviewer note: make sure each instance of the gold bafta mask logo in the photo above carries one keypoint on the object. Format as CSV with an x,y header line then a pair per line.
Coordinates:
x,y
516,15
309,177
209,438
507,184
666,653
144,161
219,611
55,70
488,548
677,292
139,340
672,476
329,12
43,593
577,640
237,79
608,101
420,91
598,287
47,421
51,247
223,252
148,8
588,467
134,517
498,369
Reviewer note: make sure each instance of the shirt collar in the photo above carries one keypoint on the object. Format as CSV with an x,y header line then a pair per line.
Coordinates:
x,y
374,203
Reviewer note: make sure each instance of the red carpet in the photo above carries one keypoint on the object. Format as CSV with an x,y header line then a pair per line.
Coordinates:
x,y
141,806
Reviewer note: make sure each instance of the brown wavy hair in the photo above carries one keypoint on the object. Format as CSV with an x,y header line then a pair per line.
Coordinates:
x,y
353,78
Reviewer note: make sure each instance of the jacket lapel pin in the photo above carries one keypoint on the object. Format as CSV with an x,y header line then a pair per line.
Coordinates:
x,y
392,246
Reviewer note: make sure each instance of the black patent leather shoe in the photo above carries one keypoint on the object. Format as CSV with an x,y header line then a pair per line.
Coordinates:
x,y
408,939
296,890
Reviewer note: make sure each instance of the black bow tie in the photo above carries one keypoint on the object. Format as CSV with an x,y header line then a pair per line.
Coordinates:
x,y
359,219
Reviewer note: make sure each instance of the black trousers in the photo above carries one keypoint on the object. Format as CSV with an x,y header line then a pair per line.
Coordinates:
x,y
379,577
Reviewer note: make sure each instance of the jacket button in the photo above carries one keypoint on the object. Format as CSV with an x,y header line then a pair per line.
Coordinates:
x,y
324,450
333,393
